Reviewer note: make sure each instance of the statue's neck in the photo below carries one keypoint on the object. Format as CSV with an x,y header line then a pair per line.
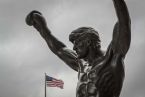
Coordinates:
x,y
92,55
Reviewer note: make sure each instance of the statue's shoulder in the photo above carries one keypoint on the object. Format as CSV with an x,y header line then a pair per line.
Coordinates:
x,y
98,63
110,61
104,61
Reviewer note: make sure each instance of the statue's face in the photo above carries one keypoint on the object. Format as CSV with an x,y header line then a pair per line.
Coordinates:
x,y
81,48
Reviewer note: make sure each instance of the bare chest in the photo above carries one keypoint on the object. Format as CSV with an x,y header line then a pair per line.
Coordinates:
x,y
86,86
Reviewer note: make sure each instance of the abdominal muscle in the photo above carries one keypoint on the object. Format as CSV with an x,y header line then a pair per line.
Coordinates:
x,y
86,86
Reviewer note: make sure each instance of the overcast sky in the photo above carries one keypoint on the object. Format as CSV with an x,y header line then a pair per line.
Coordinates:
x,y
25,57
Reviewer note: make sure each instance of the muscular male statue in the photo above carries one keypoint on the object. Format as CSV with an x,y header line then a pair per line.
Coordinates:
x,y
99,74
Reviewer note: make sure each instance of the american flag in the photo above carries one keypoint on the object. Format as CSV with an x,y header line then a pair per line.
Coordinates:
x,y
53,82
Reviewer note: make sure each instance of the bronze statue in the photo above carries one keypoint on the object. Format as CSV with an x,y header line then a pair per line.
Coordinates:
x,y
99,74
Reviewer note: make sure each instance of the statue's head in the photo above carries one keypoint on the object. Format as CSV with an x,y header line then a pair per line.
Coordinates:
x,y
83,39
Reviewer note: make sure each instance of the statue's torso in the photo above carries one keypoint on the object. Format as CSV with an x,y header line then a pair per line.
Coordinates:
x,y
100,80
86,86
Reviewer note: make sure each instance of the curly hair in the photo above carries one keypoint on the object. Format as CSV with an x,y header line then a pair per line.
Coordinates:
x,y
86,33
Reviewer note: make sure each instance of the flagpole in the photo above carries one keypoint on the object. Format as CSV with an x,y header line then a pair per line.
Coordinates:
x,y
45,84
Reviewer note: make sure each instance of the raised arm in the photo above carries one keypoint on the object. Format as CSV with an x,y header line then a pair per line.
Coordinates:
x,y
122,30
36,20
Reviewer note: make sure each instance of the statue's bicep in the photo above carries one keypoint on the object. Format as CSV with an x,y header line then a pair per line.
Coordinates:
x,y
121,38
69,57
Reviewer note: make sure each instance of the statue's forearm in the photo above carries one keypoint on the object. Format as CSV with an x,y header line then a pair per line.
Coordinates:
x,y
36,19
53,43
121,11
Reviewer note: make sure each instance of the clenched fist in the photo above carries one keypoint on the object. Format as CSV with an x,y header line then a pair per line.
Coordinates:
x,y
36,19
